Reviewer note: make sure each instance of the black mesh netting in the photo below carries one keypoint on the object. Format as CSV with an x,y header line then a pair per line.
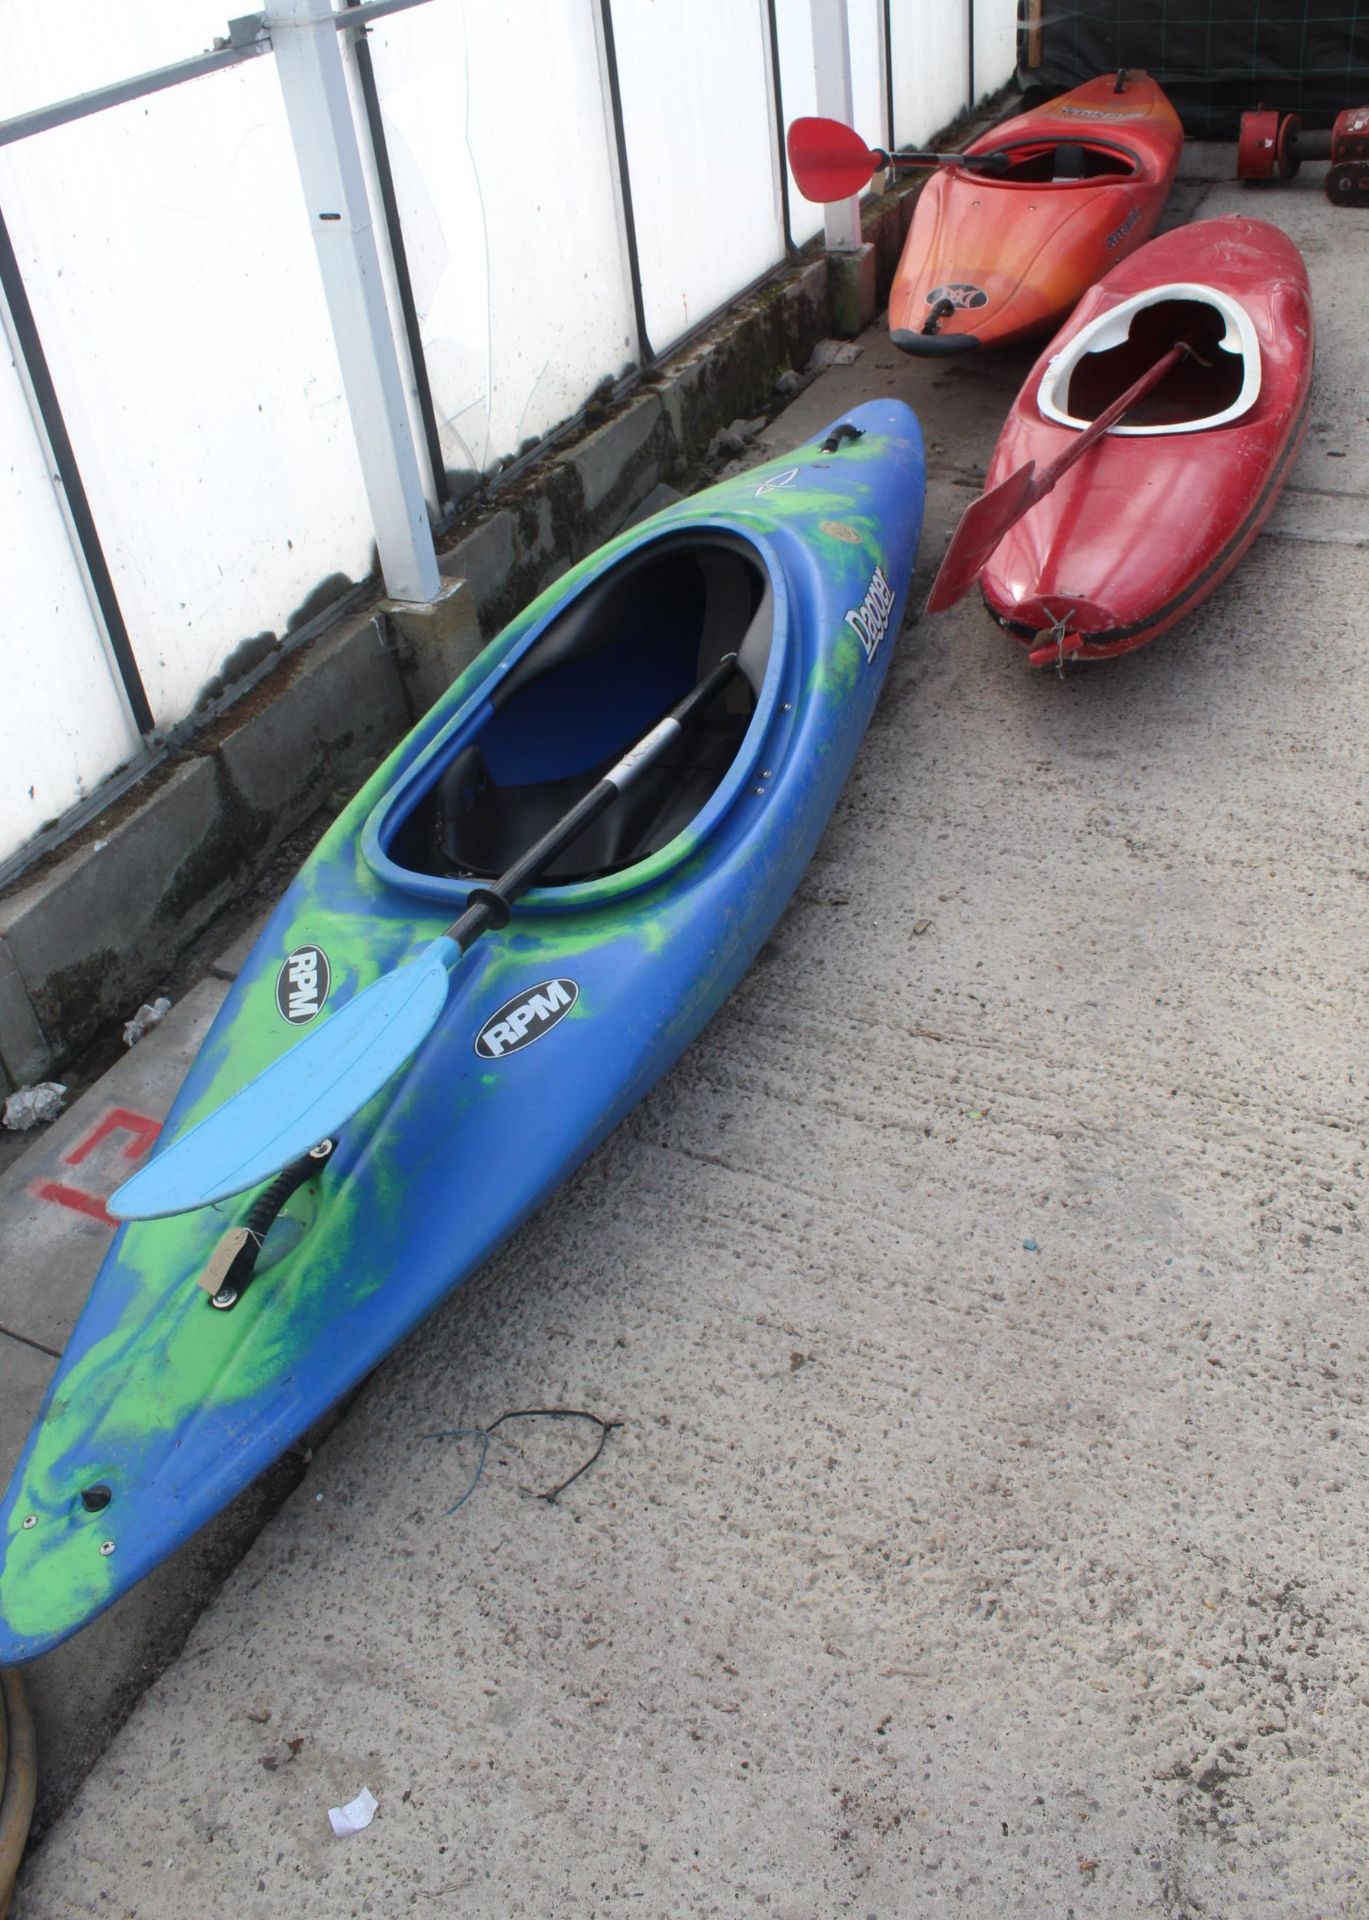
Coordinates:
x,y
1214,58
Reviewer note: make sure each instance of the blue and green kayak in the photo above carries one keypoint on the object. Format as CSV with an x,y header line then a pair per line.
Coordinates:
x,y
255,1281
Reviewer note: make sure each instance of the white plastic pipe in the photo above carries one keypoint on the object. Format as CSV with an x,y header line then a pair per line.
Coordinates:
x,y
314,86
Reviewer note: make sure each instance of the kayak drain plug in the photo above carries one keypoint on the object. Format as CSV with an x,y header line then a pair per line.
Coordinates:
x,y
96,1499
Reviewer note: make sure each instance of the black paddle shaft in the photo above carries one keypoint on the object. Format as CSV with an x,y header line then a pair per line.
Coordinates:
x,y
911,157
490,906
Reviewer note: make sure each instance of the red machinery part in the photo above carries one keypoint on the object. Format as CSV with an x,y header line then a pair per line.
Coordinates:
x,y
1350,136
1273,142
1289,149
1348,184
1257,149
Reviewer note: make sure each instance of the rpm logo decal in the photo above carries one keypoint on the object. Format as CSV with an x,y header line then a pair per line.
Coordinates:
x,y
302,985
960,294
525,1018
871,618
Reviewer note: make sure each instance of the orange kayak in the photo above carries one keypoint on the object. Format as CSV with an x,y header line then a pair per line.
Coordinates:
x,y
991,257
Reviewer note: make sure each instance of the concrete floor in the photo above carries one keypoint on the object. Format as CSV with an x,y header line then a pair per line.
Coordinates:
x,y
983,1299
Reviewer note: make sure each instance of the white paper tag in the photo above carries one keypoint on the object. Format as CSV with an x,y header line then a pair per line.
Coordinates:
x,y
356,1814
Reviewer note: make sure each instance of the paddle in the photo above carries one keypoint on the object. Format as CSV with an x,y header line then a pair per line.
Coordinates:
x,y
986,520
831,161
307,1094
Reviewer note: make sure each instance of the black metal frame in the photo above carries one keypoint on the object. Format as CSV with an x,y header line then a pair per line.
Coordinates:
x,y
889,73
35,361
408,306
778,92
646,352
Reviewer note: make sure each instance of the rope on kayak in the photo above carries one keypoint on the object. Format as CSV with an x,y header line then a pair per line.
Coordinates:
x,y
483,1435
1059,633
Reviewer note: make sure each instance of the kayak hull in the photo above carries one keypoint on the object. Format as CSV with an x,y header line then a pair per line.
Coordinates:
x,y
991,259
553,1030
1149,523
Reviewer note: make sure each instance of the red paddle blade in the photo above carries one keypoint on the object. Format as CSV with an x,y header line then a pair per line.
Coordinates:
x,y
982,526
830,161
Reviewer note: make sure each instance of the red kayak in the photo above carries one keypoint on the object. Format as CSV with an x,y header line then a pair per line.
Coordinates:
x,y
991,256
1151,518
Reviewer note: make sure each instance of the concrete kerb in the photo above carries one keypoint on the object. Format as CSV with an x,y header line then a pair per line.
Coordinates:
x,y
99,931
318,739
853,290
85,937
433,641
24,1052
614,460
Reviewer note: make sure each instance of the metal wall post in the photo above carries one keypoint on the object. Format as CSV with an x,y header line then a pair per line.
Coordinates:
x,y
886,71
314,86
608,57
772,29
832,69
399,255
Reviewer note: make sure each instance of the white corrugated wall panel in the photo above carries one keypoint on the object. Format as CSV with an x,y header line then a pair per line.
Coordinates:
x,y
930,41
167,256
798,87
56,49
995,45
702,153
865,32
64,722
508,205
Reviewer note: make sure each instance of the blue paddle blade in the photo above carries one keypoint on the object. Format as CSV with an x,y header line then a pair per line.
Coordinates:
x,y
300,1099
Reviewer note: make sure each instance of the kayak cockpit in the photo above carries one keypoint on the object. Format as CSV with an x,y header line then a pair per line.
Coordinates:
x,y
1067,163
591,683
1219,381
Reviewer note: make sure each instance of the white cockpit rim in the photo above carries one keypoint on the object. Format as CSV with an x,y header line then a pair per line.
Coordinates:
x,y
1112,330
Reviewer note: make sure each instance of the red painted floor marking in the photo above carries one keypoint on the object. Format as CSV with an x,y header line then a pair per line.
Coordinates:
x,y
87,1203
119,1120
142,1131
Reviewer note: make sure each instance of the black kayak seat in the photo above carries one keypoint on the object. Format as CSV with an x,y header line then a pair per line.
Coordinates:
x,y
484,827
623,653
